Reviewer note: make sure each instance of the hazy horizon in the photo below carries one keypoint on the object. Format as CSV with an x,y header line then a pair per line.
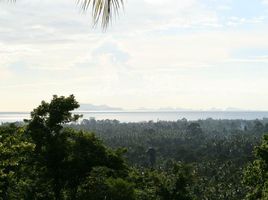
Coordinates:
x,y
158,53
108,108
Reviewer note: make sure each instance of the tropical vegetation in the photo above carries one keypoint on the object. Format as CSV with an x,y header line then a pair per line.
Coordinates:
x,y
54,155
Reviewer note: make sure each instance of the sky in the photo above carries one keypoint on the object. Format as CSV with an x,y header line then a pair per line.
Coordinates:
x,y
195,54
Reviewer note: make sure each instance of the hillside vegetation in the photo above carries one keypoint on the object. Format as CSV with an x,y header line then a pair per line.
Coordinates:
x,y
52,156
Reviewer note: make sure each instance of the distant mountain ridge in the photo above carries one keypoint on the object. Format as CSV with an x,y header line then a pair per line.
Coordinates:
x,y
171,109
91,107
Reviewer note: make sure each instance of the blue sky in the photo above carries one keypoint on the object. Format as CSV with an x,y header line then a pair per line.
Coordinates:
x,y
197,54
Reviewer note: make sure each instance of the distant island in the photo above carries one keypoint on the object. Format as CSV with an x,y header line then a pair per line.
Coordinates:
x,y
92,107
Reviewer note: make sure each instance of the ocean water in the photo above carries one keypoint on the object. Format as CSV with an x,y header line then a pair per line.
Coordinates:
x,y
147,116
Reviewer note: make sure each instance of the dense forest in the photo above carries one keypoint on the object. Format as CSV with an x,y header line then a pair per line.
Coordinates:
x,y
55,156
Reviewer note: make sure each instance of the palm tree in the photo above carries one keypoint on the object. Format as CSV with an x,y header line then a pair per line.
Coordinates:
x,y
102,10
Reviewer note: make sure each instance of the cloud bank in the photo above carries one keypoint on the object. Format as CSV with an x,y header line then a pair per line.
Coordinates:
x,y
189,53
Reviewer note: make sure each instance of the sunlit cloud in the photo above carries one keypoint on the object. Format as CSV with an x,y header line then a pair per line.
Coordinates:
x,y
187,53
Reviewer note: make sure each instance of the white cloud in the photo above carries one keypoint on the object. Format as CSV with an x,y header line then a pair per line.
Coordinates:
x,y
265,1
157,54
4,73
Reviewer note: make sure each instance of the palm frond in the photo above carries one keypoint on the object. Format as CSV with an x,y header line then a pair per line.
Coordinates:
x,y
102,10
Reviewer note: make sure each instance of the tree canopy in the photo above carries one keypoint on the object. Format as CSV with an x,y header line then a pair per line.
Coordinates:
x,y
53,155
46,159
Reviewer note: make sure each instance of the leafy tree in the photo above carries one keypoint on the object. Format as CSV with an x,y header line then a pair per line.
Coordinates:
x,y
46,131
194,132
176,183
104,183
170,184
87,152
64,156
14,151
256,174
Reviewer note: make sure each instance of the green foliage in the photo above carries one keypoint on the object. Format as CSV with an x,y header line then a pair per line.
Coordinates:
x,y
172,183
256,174
53,157
44,160
104,183
217,149
14,151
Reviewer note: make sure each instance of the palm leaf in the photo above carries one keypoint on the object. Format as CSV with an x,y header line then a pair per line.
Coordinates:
x,y
102,10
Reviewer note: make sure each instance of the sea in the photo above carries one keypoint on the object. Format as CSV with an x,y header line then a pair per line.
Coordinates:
x,y
142,116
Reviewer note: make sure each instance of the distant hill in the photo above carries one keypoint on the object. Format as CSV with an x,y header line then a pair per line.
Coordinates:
x,y
91,107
